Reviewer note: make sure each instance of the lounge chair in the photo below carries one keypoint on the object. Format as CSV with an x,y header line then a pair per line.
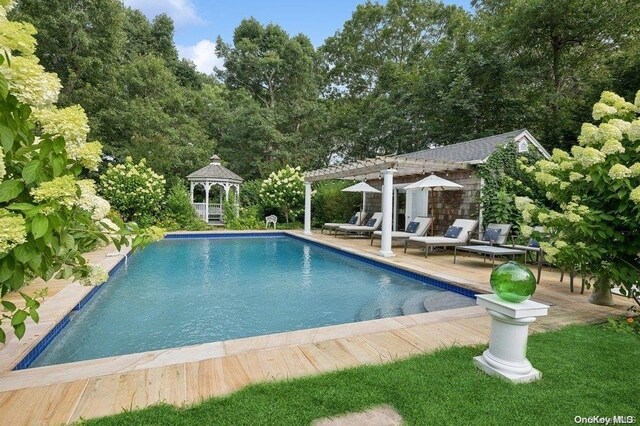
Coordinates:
x,y
494,234
371,226
416,228
457,235
356,219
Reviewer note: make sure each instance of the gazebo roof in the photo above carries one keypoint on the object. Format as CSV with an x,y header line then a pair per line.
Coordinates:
x,y
215,171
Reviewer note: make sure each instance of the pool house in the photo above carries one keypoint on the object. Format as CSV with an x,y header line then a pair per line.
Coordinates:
x,y
392,174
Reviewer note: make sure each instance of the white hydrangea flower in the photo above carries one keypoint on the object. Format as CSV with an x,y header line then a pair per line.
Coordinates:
x,y
612,146
591,156
546,179
70,123
608,131
601,110
635,195
560,244
575,176
619,171
97,275
634,131
17,36
12,230
549,250
526,230
29,82
588,134
620,124
62,189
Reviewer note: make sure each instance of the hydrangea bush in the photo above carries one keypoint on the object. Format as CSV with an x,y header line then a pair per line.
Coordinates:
x,y
284,190
597,188
134,190
49,216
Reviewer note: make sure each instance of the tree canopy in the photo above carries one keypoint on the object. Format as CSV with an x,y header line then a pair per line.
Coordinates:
x,y
397,77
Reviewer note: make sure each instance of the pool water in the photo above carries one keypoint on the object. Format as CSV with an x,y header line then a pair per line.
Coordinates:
x,y
180,292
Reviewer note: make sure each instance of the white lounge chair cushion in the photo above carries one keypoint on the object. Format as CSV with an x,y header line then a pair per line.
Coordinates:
x,y
333,225
438,240
467,226
356,228
397,234
422,229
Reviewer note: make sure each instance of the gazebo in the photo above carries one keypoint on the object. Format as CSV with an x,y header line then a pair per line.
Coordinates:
x,y
217,177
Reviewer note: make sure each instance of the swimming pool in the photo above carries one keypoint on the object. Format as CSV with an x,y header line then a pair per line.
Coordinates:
x,y
186,291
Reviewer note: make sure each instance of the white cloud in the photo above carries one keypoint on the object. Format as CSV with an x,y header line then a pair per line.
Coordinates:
x,y
203,54
183,12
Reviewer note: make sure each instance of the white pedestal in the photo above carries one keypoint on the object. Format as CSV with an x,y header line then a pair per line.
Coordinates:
x,y
507,353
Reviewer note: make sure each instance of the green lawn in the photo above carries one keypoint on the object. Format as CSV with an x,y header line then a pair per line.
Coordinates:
x,y
587,371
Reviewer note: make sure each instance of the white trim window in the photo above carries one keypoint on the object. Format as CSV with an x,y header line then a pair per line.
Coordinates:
x,y
523,145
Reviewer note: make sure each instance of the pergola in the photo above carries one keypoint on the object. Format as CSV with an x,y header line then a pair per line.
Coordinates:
x,y
374,168
214,174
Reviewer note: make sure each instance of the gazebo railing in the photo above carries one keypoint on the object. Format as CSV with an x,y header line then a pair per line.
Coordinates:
x,y
215,210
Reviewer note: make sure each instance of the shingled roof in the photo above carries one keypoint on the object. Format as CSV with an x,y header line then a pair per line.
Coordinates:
x,y
473,151
215,171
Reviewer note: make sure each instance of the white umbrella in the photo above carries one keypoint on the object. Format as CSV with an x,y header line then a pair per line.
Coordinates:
x,y
363,187
434,183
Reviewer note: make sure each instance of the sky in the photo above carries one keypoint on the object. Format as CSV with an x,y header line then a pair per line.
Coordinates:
x,y
199,22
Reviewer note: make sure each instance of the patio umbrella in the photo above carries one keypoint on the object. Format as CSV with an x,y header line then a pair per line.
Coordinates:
x,y
434,183
363,187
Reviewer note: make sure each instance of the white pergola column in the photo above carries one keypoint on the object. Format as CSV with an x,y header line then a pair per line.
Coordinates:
x,y
191,191
226,192
387,213
307,208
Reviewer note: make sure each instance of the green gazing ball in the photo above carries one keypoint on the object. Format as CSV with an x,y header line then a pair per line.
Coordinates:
x,y
513,282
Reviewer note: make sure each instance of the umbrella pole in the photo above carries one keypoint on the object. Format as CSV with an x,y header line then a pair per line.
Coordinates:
x,y
364,198
433,218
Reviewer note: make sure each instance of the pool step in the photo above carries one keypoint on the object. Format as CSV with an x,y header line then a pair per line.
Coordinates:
x,y
376,310
415,304
446,300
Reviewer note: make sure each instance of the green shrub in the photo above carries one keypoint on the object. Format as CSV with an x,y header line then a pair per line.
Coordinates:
x,y
178,212
330,204
250,194
248,218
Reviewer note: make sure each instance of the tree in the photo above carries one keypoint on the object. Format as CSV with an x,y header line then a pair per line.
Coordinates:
x,y
280,74
597,189
383,79
80,41
140,99
563,48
